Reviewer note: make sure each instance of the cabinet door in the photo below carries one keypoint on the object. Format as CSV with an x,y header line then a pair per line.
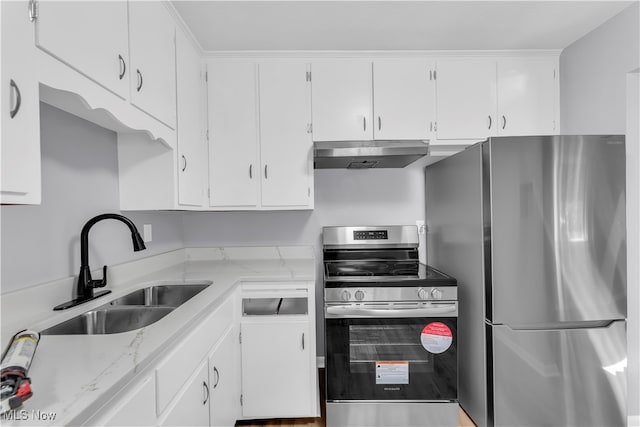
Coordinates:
x,y
136,409
271,352
286,147
526,96
20,146
466,98
91,37
192,148
153,60
342,101
404,99
224,376
191,405
234,169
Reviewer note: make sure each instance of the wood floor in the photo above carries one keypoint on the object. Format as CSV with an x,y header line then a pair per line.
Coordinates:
x,y
463,418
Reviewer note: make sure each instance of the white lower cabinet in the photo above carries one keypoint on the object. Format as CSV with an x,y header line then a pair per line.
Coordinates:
x,y
225,370
191,405
136,408
224,380
276,374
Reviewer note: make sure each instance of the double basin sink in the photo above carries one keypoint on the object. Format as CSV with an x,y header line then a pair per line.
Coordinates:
x,y
135,310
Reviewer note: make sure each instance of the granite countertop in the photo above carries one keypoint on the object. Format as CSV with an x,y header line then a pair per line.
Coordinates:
x,y
75,375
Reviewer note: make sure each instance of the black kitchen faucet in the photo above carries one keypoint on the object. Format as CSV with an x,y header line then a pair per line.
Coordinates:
x,y
86,284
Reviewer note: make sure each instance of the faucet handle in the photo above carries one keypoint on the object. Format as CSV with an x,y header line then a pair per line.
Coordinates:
x,y
101,283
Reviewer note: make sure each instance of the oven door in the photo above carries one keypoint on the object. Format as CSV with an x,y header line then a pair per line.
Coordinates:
x,y
391,351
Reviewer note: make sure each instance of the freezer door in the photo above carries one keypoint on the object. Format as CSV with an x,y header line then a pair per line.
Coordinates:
x,y
554,219
569,377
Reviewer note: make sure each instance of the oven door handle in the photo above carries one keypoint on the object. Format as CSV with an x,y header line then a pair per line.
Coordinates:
x,y
352,311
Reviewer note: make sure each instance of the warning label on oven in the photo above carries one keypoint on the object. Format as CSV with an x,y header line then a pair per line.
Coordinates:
x,y
392,372
436,337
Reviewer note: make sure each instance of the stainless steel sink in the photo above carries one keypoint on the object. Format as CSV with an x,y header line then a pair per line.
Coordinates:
x,y
133,311
110,320
161,295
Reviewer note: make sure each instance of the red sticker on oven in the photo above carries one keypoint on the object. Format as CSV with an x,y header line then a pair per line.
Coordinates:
x,y
436,337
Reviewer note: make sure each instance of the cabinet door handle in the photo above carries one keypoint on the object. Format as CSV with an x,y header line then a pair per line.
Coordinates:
x,y
303,340
184,163
379,123
215,371
123,67
33,11
265,172
139,80
14,88
504,122
250,171
364,124
206,392
490,122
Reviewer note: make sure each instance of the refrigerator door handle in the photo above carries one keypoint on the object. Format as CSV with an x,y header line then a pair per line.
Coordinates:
x,y
593,324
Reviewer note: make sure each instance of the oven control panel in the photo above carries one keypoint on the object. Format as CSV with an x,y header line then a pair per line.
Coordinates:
x,y
370,235
372,294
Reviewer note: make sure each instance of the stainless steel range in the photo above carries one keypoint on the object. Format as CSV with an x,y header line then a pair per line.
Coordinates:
x,y
391,331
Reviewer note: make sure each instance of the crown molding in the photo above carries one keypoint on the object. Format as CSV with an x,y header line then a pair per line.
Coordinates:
x,y
373,54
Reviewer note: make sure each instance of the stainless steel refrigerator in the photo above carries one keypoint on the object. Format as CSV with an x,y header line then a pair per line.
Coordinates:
x,y
533,228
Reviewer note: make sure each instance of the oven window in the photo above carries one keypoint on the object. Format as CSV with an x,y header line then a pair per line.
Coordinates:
x,y
391,359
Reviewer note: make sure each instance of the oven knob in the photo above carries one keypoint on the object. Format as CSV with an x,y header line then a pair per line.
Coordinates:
x,y
346,295
359,295
436,293
422,294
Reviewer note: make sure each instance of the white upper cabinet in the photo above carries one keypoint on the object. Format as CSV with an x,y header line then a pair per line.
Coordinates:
x,y
404,99
260,149
466,98
153,56
234,167
387,99
91,37
526,96
286,147
342,101
191,129
482,97
20,182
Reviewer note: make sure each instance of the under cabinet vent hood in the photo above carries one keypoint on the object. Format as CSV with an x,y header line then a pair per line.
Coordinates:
x,y
367,154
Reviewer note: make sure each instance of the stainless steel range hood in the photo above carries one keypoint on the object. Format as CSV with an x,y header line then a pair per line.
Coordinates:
x,y
367,154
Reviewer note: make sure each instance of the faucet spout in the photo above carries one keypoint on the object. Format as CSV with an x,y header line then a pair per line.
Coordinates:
x,y
86,284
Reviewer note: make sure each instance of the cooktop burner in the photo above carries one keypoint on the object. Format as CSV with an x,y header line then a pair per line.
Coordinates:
x,y
387,256
426,276
372,268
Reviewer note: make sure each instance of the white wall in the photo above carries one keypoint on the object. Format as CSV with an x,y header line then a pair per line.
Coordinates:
x,y
342,197
593,76
593,100
633,231
79,180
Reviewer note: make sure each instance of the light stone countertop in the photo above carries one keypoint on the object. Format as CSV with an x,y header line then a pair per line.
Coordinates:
x,y
73,376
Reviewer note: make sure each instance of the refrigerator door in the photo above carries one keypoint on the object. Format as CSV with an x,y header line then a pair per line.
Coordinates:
x,y
569,377
554,214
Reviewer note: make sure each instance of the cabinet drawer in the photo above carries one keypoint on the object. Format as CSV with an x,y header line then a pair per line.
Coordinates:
x,y
174,370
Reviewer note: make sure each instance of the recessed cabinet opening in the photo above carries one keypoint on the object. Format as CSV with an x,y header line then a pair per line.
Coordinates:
x,y
274,306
